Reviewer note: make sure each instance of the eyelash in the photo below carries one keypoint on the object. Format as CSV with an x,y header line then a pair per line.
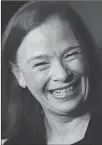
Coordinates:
x,y
75,54
41,66
45,65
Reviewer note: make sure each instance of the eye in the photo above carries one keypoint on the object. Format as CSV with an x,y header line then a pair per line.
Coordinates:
x,y
41,66
73,55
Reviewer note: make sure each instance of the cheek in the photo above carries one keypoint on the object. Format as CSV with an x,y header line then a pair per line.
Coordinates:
x,y
35,80
79,66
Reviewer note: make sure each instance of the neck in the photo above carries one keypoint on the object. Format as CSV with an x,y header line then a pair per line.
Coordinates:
x,y
68,125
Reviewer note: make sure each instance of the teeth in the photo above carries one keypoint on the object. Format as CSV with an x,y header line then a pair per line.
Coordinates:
x,y
62,93
58,94
59,91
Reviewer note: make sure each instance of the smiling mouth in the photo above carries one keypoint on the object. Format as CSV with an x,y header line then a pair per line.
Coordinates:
x,y
65,92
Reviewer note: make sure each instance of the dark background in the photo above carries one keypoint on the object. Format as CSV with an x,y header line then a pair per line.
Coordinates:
x,y
91,13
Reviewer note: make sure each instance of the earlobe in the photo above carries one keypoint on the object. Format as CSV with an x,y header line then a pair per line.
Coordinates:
x,y
22,82
19,76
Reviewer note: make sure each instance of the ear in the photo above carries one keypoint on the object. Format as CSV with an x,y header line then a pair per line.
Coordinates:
x,y
18,74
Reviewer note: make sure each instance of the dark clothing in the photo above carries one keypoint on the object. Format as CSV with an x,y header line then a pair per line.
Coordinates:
x,y
93,134
27,136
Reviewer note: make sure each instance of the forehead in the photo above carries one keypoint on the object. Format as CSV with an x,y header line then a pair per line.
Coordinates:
x,y
53,29
52,36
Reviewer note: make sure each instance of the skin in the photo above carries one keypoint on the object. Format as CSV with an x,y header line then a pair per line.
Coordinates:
x,y
60,66
49,58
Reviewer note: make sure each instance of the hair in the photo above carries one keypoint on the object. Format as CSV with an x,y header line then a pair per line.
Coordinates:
x,y
17,103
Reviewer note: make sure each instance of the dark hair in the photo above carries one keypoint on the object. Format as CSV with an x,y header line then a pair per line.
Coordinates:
x,y
18,104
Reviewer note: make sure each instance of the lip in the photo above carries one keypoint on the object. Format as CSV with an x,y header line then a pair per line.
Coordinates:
x,y
70,96
76,83
73,83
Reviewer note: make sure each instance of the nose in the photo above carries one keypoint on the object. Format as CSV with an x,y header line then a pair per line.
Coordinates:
x,y
61,74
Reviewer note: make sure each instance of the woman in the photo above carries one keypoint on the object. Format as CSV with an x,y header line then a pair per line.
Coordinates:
x,y
50,75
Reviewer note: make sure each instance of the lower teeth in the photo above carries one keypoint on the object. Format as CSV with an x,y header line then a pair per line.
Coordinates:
x,y
59,96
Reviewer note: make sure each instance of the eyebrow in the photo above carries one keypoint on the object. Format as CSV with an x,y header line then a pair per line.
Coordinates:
x,y
45,56
41,56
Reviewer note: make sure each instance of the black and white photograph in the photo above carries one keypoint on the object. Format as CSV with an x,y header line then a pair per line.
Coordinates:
x,y
51,72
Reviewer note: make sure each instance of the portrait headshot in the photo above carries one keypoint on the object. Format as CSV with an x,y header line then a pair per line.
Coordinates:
x,y
51,76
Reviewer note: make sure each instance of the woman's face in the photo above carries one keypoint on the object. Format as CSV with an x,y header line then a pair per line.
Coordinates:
x,y
53,66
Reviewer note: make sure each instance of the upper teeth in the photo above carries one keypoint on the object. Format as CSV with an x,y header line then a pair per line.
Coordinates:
x,y
64,90
62,93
